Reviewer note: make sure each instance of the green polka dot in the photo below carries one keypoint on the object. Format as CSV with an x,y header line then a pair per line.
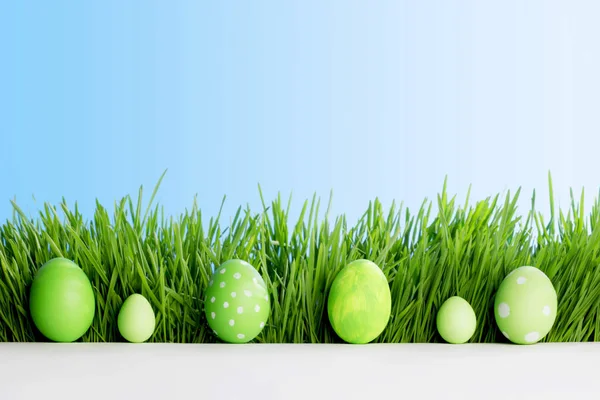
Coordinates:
x,y
237,318
525,306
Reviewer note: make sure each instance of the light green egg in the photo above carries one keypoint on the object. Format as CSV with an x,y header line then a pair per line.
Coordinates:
x,y
525,306
136,319
456,320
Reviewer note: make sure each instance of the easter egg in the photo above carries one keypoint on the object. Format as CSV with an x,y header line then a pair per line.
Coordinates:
x,y
136,319
359,303
456,321
61,301
236,303
525,305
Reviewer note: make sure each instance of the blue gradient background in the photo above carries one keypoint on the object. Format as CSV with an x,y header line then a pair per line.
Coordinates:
x,y
381,98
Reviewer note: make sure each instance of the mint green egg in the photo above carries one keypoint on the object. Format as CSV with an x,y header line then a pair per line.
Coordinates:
x,y
525,305
456,320
136,320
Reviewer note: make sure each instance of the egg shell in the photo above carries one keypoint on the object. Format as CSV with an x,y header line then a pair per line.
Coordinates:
x,y
359,303
236,302
456,320
525,305
62,301
136,320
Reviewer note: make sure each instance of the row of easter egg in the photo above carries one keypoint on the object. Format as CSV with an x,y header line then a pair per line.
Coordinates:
x,y
62,304
525,306
237,305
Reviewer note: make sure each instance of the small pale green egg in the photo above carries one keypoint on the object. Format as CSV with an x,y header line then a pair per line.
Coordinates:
x,y
525,305
136,319
456,320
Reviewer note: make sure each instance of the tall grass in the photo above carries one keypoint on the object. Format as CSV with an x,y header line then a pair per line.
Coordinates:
x,y
443,249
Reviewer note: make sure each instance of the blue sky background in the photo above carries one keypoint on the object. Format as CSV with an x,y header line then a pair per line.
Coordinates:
x,y
379,98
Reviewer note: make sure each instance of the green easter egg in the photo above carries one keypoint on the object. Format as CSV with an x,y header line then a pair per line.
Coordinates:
x,y
525,306
237,303
136,319
456,321
359,303
61,301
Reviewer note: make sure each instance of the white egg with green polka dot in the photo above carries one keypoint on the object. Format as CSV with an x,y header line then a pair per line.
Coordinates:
x,y
525,305
236,318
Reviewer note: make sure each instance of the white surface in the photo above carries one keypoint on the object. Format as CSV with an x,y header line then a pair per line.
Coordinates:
x,y
170,371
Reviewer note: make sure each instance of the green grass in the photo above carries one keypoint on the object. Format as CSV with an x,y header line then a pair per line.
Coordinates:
x,y
445,248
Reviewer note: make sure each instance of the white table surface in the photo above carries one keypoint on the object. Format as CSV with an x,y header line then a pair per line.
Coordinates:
x,y
409,371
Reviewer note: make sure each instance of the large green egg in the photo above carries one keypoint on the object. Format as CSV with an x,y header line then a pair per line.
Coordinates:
x,y
525,305
236,303
62,301
359,303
